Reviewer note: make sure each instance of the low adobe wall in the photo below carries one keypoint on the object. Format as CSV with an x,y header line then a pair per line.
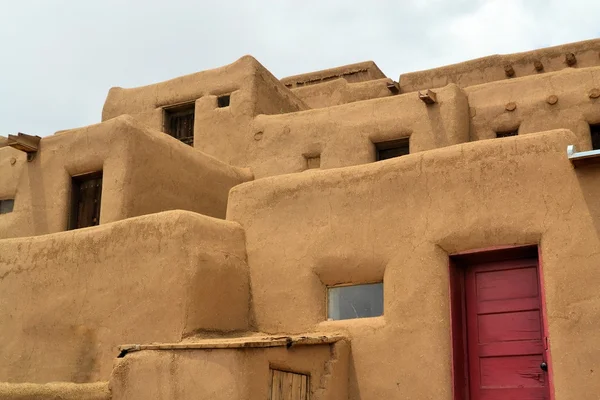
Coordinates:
x,y
229,374
398,220
55,391
69,299
492,68
339,91
144,172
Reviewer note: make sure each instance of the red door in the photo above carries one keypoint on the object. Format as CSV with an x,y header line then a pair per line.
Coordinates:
x,y
504,331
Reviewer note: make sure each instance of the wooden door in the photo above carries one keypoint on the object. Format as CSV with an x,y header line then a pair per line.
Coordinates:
x,y
505,339
86,199
288,386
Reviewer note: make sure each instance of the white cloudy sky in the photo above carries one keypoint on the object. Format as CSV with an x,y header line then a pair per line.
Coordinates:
x,y
58,58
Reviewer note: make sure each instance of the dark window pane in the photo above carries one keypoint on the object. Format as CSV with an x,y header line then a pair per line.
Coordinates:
x,y
356,301
223,101
6,206
507,133
595,132
391,149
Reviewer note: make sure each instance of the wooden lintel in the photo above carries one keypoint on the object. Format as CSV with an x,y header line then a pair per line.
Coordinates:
x,y
428,97
24,142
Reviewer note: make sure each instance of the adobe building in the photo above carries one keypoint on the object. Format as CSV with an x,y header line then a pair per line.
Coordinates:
x,y
336,235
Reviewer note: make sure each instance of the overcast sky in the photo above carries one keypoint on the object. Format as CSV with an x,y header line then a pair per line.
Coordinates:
x,y
58,58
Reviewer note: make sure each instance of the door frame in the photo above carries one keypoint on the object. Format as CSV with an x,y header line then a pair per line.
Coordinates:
x,y
458,331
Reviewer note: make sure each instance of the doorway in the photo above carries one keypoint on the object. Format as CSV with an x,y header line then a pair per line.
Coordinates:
x,y
499,340
86,196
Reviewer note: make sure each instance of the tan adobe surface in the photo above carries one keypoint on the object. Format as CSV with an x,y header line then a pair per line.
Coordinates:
x,y
209,270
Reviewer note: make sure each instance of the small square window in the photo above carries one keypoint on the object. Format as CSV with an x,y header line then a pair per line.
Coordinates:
x,y
179,122
504,134
313,162
6,206
595,133
391,149
355,301
223,101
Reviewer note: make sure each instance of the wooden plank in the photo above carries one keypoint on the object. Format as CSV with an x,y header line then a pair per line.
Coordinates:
x,y
304,392
296,386
276,391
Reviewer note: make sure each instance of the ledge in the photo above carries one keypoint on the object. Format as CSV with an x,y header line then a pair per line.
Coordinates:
x,y
236,343
582,157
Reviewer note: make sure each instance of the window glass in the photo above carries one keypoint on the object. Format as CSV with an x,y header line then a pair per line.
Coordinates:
x,y
356,301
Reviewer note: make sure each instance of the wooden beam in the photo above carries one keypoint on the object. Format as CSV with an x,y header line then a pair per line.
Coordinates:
x,y
428,97
23,142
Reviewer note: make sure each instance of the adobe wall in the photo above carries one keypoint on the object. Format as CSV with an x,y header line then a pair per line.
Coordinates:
x,y
69,299
492,68
12,163
55,391
226,374
253,89
339,91
399,220
358,72
342,135
491,111
144,172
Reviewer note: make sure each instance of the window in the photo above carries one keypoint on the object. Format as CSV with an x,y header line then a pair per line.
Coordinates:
x,y
391,149
179,122
6,206
223,101
313,162
86,193
595,132
507,133
356,301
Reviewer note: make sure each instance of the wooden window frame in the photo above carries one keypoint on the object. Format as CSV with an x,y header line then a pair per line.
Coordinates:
x,y
179,110
76,182
402,143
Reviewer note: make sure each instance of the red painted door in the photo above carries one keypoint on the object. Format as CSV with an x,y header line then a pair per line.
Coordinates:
x,y
504,331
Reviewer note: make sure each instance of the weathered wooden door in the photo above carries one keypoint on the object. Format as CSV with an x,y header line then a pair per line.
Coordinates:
x,y
86,199
505,339
288,386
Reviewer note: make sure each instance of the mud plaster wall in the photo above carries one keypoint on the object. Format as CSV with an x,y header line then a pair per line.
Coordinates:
x,y
339,91
69,299
12,163
574,110
342,135
227,374
143,172
492,68
55,391
359,72
398,220
252,88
